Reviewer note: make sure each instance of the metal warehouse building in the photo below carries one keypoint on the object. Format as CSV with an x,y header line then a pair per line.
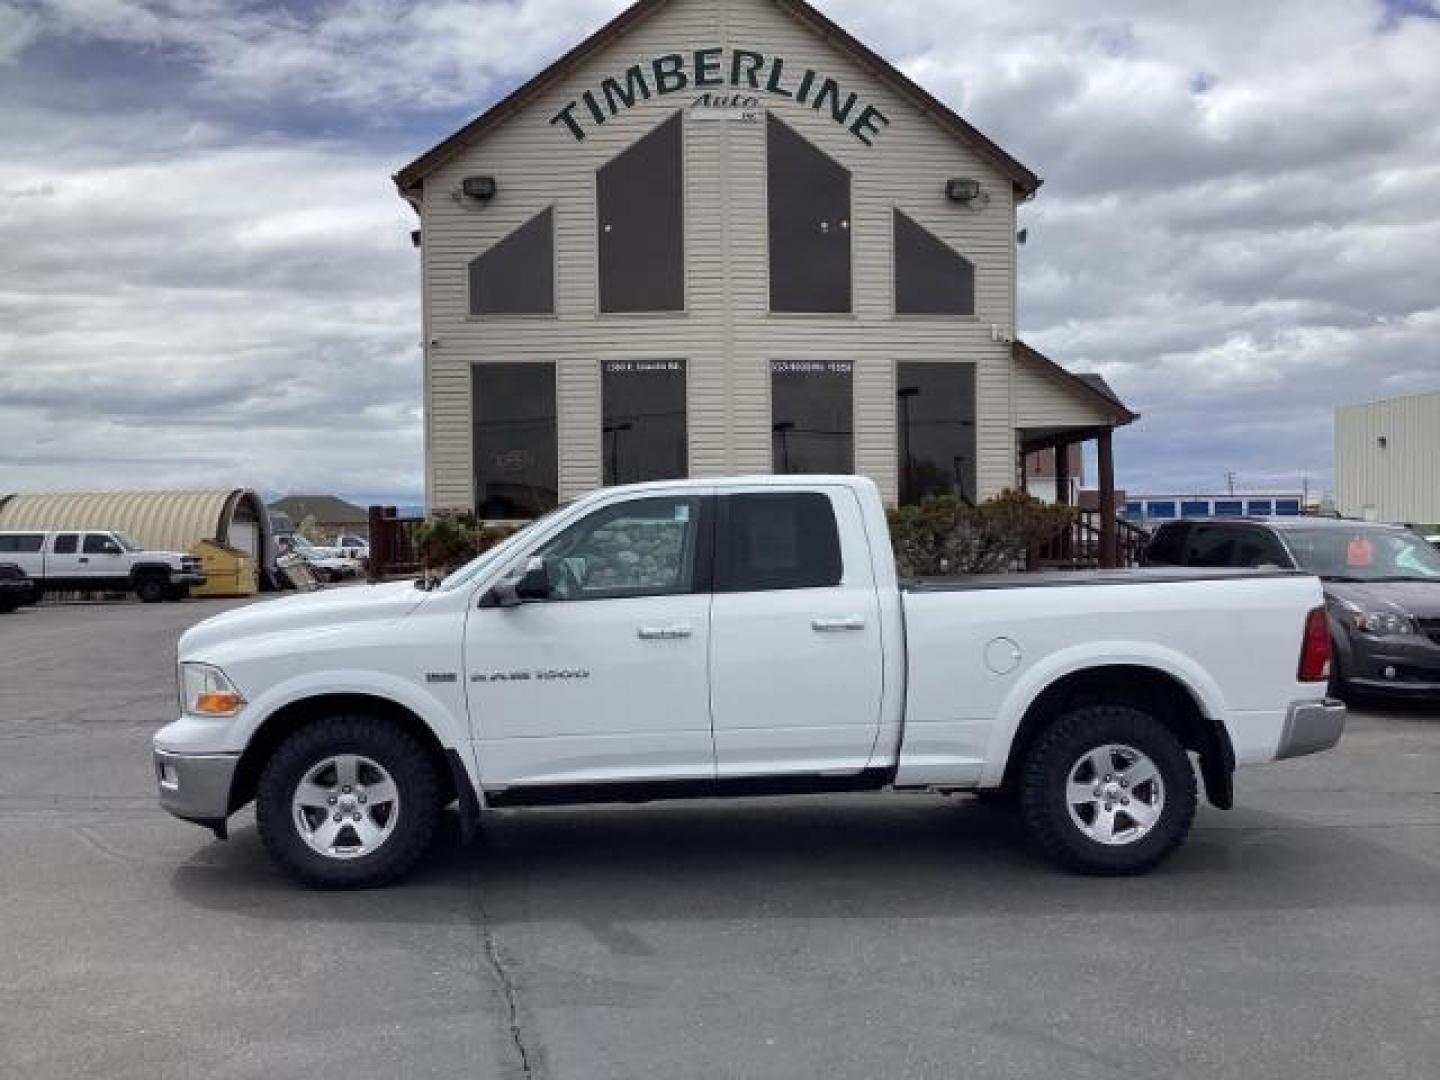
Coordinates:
x,y
724,236
1387,460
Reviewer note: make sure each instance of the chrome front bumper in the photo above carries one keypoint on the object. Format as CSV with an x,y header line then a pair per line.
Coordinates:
x,y
1311,726
196,787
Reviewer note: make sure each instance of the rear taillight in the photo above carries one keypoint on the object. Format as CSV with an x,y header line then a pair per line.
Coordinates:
x,y
1315,648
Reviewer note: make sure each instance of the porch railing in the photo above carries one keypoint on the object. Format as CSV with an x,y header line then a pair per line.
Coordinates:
x,y
1078,547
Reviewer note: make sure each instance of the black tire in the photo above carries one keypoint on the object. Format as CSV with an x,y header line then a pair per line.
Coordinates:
x,y
1048,770
176,593
389,746
9,604
1336,688
150,588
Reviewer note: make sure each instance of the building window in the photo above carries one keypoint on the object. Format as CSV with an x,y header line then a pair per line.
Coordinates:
x,y
935,422
641,222
516,457
517,275
780,540
812,416
643,420
931,277
809,202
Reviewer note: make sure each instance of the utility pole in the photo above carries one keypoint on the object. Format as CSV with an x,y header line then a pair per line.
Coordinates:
x,y
1230,479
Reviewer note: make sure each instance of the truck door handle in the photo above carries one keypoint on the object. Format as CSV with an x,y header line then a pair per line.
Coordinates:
x,y
835,626
664,633
83,559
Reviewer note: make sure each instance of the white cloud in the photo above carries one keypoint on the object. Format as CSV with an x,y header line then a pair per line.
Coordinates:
x,y
17,30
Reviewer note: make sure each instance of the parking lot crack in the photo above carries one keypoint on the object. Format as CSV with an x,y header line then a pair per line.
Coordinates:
x,y
505,982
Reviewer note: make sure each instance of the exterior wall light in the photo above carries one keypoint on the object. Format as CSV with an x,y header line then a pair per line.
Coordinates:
x,y
962,189
478,187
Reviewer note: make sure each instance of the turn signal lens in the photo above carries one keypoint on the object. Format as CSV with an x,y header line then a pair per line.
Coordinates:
x,y
223,703
205,691
1315,648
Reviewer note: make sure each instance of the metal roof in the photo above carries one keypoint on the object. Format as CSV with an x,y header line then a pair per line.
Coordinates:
x,y
161,520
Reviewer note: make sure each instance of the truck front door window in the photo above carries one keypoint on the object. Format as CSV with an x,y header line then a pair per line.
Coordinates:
x,y
646,547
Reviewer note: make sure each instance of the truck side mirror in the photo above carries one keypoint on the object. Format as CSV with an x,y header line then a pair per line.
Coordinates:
x,y
533,584
112,548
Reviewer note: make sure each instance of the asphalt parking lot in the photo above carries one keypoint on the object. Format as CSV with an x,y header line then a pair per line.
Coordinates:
x,y
864,936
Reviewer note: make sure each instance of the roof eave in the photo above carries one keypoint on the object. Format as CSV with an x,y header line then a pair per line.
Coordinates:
x,y
1122,414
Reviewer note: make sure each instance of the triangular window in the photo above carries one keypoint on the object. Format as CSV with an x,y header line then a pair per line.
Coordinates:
x,y
517,275
931,277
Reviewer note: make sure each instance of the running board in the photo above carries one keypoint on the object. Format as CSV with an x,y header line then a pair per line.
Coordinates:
x,y
741,787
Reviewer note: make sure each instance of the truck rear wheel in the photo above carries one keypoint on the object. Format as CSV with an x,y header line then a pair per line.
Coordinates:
x,y
1108,789
348,802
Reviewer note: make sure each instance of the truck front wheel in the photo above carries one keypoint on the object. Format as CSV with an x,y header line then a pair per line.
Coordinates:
x,y
348,802
1108,789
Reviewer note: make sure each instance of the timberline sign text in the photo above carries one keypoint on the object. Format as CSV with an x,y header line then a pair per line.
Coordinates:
x,y
715,68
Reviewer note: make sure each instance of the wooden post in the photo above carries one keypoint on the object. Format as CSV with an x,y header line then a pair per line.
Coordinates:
x,y
1062,498
378,539
1109,555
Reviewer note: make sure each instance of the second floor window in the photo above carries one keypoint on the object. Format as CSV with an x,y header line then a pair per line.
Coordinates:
x,y
641,220
931,277
517,275
809,203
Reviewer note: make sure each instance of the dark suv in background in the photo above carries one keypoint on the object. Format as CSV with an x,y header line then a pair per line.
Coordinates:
x,y
1382,589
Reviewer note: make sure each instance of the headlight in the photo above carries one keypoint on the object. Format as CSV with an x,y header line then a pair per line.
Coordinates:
x,y
1383,622
205,691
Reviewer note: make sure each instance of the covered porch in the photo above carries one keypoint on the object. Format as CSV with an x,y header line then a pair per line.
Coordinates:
x,y
1056,410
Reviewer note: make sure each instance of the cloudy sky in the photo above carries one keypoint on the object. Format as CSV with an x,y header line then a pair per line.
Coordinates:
x,y
206,277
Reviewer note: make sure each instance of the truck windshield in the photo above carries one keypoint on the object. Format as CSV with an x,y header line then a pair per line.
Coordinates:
x,y
126,541
1364,553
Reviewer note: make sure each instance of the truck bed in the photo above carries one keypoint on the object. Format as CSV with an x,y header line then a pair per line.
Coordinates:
x,y
1054,579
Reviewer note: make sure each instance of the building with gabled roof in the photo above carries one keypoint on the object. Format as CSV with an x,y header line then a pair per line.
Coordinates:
x,y
719,237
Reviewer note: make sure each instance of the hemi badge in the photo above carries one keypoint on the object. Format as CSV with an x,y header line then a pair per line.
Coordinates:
x,y
441,676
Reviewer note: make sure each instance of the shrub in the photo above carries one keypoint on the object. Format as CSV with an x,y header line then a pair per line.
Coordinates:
x,y
447,542
945,535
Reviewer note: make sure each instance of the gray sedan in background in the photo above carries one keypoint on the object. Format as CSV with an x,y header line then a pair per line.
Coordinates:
x,y
1382,589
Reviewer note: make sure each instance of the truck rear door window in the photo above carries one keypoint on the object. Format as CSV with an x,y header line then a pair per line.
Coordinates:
x,y
67,543
781,540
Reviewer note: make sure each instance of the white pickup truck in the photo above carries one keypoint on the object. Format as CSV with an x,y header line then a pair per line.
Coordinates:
x,y
97,560
738,637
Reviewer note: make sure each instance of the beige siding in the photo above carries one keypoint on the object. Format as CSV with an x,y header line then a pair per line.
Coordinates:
x,y
1044,401
727,335
1399,481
